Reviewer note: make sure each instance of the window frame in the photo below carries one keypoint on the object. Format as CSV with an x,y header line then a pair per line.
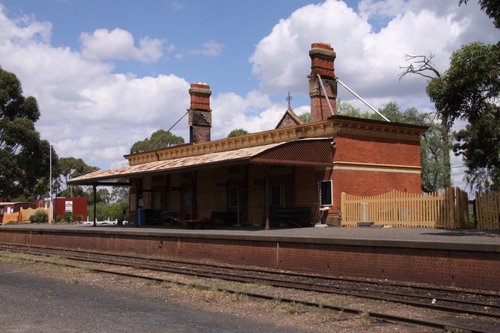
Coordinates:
x,y
328,202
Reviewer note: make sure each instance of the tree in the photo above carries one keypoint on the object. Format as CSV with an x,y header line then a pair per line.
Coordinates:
x,y
24,157
306,117
158,140
422,65
69,168
469,90
237,132
479,144
436,173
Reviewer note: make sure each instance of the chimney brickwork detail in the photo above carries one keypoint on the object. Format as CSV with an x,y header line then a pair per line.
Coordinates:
x,y
200,114
322,64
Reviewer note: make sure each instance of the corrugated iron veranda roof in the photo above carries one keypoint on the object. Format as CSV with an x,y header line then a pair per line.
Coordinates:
x,y
305,152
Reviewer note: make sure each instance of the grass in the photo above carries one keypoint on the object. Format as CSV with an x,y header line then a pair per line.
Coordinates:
x,y
366,321
296,308
12,260
334,317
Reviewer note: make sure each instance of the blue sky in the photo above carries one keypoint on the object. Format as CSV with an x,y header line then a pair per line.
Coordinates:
x,y
236,26
108,73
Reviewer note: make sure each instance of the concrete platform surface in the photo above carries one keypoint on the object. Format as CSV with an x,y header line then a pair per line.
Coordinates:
x,y
413,235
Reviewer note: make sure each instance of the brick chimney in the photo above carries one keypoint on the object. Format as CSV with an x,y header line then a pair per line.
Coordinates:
x,y
322,63
200,115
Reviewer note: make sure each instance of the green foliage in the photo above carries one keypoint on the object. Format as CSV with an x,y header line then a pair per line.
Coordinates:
x,y
469,90
237,132
40,216
479,144
68,217
158,140
114,211
102,196
24,157
435,157
119,193
306,117
434,146
69,168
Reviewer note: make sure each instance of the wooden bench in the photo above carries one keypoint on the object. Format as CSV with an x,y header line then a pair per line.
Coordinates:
x,y
294,216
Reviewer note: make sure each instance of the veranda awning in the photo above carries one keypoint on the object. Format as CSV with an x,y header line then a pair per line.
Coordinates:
x,y
304,152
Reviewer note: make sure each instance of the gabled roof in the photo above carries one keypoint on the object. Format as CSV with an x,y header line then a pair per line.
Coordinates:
x,y
289,119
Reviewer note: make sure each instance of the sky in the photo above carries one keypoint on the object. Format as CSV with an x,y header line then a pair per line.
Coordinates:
x,y
107,73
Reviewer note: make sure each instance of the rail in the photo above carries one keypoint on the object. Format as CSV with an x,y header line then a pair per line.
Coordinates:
x,y
485,305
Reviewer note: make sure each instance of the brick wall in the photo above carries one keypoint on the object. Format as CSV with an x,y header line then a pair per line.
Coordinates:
x,y
465,267
366,183
373,150
376,167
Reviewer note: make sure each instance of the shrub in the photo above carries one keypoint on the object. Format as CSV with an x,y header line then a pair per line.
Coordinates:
x,y
68,217
40,216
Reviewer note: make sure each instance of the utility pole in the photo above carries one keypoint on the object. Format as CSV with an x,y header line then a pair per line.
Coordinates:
x,y
51,215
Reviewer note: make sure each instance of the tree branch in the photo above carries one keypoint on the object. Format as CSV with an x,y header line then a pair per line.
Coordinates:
x,y
420,65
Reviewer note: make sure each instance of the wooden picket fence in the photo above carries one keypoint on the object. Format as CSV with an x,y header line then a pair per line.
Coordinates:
x,y
23,216
488,211
10,217
443,209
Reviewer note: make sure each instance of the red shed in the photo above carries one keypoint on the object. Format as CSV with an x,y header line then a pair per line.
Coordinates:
x,y
76,206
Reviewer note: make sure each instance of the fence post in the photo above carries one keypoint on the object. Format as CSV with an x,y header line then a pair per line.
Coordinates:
x,y
343,212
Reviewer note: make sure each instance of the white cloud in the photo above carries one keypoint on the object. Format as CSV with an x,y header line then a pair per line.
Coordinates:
x,y
89,111
118,44
210,48
24,29
377,8
254,112
86,110
368,59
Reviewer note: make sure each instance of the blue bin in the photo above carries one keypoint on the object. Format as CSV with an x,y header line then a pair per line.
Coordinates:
x,y
139,218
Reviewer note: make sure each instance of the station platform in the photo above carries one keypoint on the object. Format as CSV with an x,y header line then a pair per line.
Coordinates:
x,y
461,258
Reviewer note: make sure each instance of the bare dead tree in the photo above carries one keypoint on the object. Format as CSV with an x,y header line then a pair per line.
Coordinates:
x,y
420,65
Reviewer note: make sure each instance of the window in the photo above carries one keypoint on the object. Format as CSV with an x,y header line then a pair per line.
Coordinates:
x,y
277,195
325,193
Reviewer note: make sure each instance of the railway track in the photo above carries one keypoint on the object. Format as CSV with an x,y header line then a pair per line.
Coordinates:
x,y
483,305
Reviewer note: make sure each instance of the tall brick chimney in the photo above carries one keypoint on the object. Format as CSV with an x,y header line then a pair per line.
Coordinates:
x,y
200,115
322,63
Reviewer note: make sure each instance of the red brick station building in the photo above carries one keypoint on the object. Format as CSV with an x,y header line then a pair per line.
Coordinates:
x,y
295,168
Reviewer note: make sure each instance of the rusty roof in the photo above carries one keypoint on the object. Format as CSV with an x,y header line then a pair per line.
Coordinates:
x,y
298,152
